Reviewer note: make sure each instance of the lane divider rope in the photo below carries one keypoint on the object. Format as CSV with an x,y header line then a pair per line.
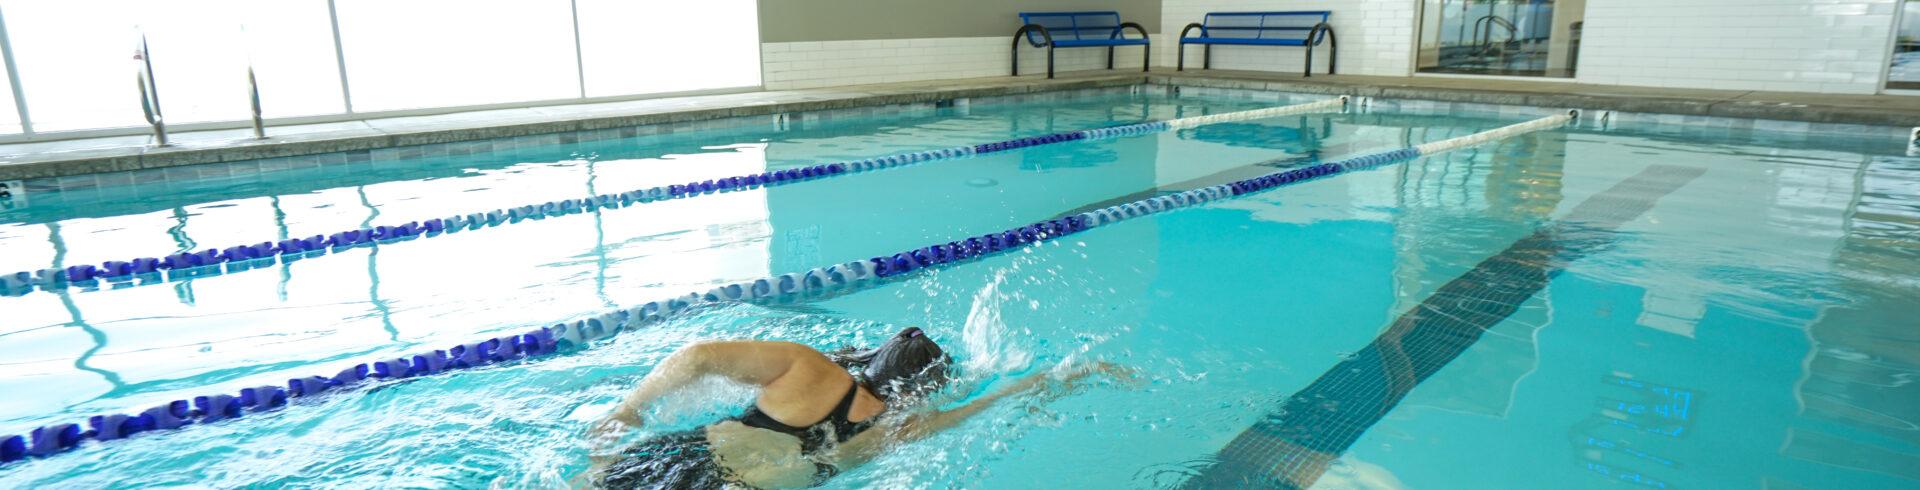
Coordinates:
x,y
237,258
818,282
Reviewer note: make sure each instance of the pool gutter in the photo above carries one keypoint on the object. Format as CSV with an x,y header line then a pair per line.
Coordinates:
x,y
1862,110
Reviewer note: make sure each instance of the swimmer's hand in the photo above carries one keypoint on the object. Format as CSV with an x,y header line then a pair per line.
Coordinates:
x,y
1068,379
609,430
605,435
1075,376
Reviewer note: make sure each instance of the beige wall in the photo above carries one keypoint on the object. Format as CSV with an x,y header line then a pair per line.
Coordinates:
x,y
784,21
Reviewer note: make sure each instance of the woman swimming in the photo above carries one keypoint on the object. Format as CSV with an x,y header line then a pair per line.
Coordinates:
x,y
812,418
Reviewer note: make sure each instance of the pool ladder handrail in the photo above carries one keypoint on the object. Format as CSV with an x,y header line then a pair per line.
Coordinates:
x,y
253,96
150,95
149,91
1483,34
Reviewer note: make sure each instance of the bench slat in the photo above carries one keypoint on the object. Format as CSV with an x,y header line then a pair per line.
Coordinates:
x,y
1259,28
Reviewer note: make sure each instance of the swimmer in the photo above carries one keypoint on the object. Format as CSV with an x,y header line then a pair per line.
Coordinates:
x,y
813,417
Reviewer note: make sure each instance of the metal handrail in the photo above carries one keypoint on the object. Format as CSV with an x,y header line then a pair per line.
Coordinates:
x,y
149,92
253,87
253,95
1483,32
153,117
146,62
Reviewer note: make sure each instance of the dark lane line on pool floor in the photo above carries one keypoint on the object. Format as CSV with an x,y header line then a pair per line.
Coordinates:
x,y
1291,447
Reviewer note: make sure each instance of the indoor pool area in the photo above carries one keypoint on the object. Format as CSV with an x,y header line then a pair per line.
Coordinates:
x,y
1219,273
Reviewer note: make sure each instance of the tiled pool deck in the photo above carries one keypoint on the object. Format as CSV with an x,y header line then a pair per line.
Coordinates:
x,y
108,154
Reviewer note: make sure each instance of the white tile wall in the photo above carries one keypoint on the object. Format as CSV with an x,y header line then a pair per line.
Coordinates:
x,y
1828,46
1376,36
835,63
1824,46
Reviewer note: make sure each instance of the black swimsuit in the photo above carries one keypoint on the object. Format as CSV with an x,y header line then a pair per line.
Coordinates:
x,y
684,460
813,437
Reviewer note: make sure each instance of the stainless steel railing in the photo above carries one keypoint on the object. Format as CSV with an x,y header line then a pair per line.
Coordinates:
x,y
253,95
149,92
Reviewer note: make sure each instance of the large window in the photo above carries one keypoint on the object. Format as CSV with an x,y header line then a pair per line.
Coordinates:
x,y
1905,74
644,47
1536,38
291,45
76,75
77,67
437,53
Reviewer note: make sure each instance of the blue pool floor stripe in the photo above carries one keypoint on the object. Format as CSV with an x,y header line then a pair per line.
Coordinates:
x,y
116,274
822,281
1292,447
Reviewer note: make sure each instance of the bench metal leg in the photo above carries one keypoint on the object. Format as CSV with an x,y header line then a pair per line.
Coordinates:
x,y
1109,57
1206,58
1319,32
1181,65
1333,53
1049,62
1146,57
1016,58
1308,73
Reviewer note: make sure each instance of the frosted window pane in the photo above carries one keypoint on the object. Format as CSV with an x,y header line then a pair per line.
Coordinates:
x,y
199,61
80,75
404,54
291,44
9,115
76,73
633,47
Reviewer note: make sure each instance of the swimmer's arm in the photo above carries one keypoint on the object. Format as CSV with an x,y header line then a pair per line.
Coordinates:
x,y
747,361
926,425
868,445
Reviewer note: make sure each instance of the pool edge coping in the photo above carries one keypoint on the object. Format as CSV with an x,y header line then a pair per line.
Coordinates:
x,y
108,160
1733,105
120,159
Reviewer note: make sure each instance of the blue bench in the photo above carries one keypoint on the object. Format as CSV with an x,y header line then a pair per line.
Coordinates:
x,y
1305,28
1077,30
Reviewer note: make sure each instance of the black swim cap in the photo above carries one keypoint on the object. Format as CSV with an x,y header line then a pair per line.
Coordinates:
x,y
909,361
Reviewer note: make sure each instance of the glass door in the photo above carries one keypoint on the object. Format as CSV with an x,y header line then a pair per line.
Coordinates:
x,y
1529,38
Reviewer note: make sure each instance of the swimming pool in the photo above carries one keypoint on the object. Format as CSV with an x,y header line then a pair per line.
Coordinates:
x,y
1735,326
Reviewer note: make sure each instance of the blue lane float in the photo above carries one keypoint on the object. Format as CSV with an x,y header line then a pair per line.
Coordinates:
x,y
566,336
184,265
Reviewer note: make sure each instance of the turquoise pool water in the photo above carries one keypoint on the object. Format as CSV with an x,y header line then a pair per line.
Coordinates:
x,y
1752,327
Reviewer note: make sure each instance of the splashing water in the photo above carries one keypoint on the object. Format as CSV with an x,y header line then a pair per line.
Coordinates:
x,y
986,338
